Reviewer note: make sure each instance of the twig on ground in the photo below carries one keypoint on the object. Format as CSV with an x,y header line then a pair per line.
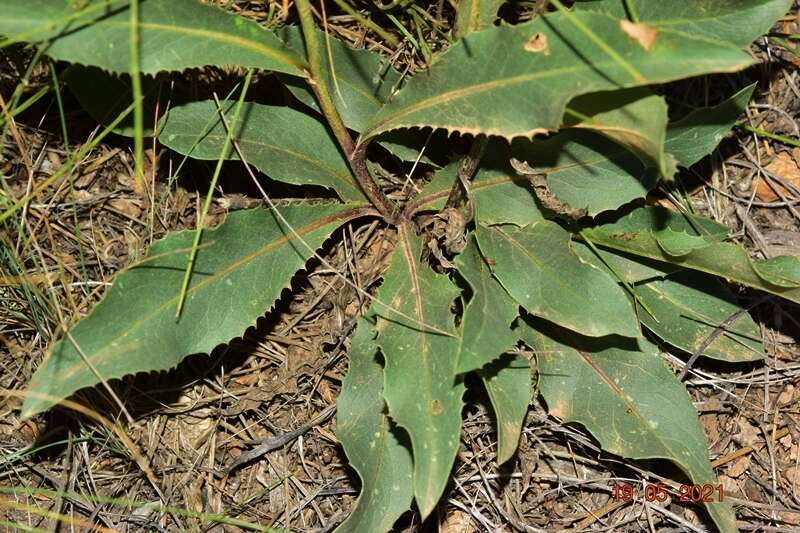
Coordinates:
x,y
272,443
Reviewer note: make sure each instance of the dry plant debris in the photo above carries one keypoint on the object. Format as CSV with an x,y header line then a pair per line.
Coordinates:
x,y
277,384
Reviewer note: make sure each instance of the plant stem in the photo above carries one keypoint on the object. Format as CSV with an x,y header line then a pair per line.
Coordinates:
x,y
601,44
317,79
466,170
764,133
59,103
319,85
631,9
66,167
201,216
136,85
358,162
364,21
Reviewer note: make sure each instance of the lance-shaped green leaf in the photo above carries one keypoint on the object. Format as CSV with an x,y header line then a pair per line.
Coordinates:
x,y
516,81
628,398
689,306
628,268
583,169
488,314
432,147
587,171
474,15
173,35
281,142
679,243
660,219
500,195
783,271
738,22
538,268
634,269
421,351
508,382
634,118
241,268
369,440
698,133
636,235
360,81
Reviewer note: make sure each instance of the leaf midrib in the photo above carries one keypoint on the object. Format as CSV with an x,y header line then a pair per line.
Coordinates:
x,y
423,343
134,325
674,456
356,88
347,179
508,82
690,313
213,36
643,242
509,178
539,264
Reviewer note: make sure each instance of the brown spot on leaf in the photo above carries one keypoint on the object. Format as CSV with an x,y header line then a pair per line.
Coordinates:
x,y
436,407
538,44
641,33
625,236
560,409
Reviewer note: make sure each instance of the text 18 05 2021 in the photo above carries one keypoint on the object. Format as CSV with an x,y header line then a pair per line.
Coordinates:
x,y
659,493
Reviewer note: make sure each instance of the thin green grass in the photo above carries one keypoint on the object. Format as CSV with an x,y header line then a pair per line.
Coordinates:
x,y
402,29
13,101
201,218
67,166
789,141
12,267
16,526
633,15
136,86
27,104
89,9
367,23
601,44
210,518
18,456
65,133
172,178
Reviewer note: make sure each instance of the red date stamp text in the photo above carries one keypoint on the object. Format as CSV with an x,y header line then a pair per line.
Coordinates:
x,y
659,493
